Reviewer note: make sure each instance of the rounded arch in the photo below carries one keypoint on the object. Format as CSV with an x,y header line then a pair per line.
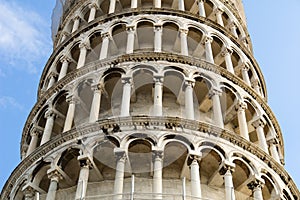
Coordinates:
x,y
145,35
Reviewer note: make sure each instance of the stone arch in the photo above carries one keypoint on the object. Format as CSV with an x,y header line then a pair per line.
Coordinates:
x,y
112,93
194,40
170,38
95,40
85,97
202,101
60,107
270,189
173,98
40,177
242,175
175,159
118,42
142,91
145,35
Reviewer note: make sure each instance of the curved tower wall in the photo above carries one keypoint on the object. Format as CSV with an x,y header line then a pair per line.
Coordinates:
x,y
151,100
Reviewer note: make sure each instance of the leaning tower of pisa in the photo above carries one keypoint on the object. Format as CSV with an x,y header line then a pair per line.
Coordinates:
x,y
146,99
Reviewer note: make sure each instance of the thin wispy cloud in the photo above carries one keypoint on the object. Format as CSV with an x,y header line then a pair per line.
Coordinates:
x,y
23,37
9,102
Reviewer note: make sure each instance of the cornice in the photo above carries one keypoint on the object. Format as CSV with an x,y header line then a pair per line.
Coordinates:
x,y
142,122
151,56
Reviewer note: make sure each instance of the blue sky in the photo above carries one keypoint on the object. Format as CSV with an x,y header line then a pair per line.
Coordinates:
x,y
25,45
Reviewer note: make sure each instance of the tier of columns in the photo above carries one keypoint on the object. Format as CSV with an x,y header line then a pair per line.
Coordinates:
x,y
84,47
214,96
217,12
56,175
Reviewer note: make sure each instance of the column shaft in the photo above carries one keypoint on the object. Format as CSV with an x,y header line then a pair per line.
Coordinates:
x,y
181,5
157,175
64,69
134,3
54,177
195,180
157,3
119,177
208,50
245,75
273,150
51,82
228,61
130,40
219,17
218,116
82,182
157,38
126,97
82,56
158,93
201,8
259,125
105,45
70,114
243,126
92,13
229,188
48,127
183,40
33,142
189,100
76,24
112,6
95,108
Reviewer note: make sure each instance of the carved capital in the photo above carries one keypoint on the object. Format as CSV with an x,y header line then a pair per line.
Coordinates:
x,y
193,158
189,83
65,58
85,162
54,175
127,80
183,31
98,87
227,166
120,155
214,91
50,113
105,35
28,191
157,154
36,131
226,51
157,28
85,44
256,184
72,99
158,79
130,29
207,40
241,106
259,123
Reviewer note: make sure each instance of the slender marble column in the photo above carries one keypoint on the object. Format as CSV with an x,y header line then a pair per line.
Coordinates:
x,y
84,46
54,177
245,74
201,8
183,40
52,75
181,5
243,126
93,9
50,116
273,149
119,177
95,108
130,39
195,178
226,171
65,60
71,112
208,50
105,45
256,187
82,184
125,106
215,97
233,29
219,13
76,24
112,6
227,55
34,133
255,85
134,3
64,36
157,38
158,93
189,99
157,3
259,126
157,174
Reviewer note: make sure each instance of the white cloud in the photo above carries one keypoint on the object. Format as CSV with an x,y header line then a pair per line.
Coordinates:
x,y
7,102
23,37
